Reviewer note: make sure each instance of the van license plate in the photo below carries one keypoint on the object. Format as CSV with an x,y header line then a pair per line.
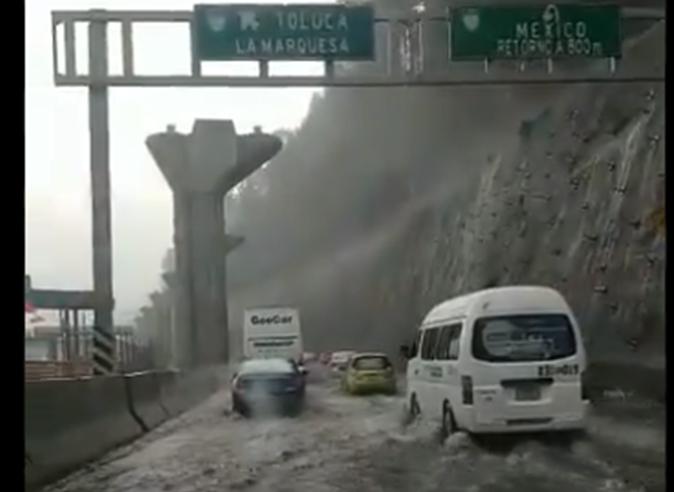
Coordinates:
x,y
527,393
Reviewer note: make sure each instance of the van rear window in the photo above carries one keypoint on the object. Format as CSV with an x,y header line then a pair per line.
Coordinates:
x,y
371,363
522,338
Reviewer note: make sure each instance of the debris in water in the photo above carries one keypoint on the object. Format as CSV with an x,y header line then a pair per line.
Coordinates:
x,y
613,484
457,441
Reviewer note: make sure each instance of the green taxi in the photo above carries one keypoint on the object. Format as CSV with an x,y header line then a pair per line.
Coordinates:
x,y
369,372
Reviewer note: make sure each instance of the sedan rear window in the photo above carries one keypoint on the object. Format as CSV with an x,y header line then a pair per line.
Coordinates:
x,y
371,363
523,338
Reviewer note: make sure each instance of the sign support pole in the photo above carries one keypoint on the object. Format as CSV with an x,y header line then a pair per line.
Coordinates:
x,y
99,148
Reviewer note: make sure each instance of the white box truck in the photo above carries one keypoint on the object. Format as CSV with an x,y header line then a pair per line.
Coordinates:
x,y
270,332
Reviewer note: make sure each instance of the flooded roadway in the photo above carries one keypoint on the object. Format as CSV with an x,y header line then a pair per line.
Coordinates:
x,y
355,444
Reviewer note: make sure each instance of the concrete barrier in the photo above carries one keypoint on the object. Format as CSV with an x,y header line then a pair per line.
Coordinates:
x,y
180,391
71,421
145,402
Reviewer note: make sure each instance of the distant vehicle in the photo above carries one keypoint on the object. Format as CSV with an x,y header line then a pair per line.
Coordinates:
x,y
309,357
272,332
507,359
268,386
339,360
370,372
324,358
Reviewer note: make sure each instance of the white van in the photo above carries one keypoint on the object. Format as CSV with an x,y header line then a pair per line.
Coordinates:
x,y
507,359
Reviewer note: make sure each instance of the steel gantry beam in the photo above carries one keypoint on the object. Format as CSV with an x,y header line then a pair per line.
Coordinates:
x,y
392,72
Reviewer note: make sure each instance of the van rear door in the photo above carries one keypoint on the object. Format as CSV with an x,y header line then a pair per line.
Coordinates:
x,y
526,367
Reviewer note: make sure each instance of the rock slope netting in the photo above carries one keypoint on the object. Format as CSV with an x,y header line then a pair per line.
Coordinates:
x,y
577,203
580,207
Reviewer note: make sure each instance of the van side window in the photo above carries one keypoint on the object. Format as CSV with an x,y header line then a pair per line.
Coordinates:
x,y
442,351
448,342
454,341
428,344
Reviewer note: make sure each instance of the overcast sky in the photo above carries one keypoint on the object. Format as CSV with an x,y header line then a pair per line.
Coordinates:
x,y
58,217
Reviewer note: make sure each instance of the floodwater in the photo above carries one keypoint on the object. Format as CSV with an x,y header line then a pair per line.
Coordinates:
x,y
346,443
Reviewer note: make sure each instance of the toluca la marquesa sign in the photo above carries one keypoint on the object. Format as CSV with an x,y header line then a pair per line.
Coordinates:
x,y
284,32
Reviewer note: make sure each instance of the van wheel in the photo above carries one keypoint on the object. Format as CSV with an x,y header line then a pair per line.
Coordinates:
x,y
414,409
448,423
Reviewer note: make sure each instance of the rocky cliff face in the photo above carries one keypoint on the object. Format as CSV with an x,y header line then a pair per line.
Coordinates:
x,y
573,199
580,206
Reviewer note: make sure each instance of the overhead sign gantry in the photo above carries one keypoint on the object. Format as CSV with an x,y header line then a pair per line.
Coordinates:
x,y
397,49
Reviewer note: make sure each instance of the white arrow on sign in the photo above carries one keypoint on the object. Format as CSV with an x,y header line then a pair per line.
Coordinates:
x,y
248,20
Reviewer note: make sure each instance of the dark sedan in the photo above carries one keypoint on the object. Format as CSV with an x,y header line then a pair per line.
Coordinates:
x,y
268,386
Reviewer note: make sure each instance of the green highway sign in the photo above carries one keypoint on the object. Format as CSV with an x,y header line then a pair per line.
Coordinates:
x,y
535,32
283,32
62,299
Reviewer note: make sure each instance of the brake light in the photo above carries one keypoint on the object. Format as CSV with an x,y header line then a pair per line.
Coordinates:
x,y
467,390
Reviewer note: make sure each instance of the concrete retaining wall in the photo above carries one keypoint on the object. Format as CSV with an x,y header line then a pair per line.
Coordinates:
x,y
69,422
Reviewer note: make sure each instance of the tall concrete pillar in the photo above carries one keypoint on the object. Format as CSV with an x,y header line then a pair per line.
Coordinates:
x,y
200,168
